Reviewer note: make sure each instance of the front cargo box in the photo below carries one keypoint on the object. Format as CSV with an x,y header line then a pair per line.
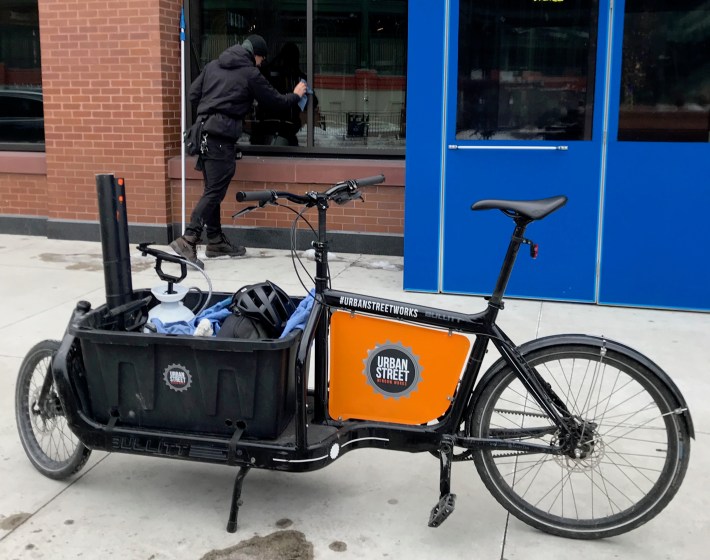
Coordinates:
x,y
185,383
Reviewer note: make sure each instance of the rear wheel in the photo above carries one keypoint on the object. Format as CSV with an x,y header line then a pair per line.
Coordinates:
x,y
624,470
49,443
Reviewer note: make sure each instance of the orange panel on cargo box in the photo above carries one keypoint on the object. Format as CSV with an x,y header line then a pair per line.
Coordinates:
x,y
390,371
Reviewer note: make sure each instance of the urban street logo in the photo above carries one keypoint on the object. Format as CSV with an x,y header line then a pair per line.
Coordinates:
x,y
177,377
392,370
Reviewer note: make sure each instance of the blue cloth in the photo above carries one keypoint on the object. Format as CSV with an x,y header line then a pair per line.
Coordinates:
x,y
300,316
216,314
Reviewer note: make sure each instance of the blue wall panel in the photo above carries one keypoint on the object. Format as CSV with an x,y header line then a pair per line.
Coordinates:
x,y
656,195
476,242
425,102
655,251
655,247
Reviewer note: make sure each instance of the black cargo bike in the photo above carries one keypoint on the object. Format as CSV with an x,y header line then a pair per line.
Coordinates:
x,y
579,436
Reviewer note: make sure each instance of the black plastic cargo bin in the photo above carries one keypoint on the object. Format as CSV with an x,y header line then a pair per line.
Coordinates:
x,y
185,383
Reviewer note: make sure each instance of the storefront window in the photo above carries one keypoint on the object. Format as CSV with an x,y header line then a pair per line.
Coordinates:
x,y
21,111
357,49
360,73
665,76
526,69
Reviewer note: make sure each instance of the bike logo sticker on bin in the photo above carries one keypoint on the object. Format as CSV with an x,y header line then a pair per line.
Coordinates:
x,y
177,377
392,370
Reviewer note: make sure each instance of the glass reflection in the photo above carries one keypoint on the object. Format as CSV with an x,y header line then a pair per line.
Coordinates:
x,y
216,26
360,55
526,69
665,76
21,103
282,127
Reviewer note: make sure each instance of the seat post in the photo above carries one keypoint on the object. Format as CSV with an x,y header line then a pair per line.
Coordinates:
x,y
495,303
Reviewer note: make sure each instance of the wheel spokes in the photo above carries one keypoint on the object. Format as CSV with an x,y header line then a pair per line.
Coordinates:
x,y
50,430
617,465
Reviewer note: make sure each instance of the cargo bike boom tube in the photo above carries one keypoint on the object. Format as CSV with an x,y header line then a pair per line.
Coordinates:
x,y
519,413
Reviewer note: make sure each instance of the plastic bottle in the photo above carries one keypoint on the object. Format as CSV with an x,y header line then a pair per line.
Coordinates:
x,y
171,308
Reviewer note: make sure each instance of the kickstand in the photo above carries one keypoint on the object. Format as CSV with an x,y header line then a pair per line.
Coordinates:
x,y
236,502
447,501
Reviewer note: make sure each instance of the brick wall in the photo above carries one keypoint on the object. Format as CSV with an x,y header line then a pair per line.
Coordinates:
x,y
23,194
110,73
382,212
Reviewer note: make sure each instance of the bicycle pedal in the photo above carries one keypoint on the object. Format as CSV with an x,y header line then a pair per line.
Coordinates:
x,y
442,510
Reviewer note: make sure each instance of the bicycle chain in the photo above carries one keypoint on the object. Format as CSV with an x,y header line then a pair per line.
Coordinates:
x,y
468,454
517,413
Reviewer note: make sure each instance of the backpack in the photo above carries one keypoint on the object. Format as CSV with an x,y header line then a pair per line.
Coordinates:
x,y
241,326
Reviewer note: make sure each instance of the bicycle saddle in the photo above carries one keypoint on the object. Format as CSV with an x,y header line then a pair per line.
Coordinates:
x,y
531,209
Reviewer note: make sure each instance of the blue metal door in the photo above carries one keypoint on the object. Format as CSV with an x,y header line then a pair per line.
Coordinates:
x,y
657,191
524,120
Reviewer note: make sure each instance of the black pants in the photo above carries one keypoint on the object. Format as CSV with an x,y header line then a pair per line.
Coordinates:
x,y
218,167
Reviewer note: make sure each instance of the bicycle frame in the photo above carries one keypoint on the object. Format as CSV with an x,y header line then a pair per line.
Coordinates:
x,y
481,324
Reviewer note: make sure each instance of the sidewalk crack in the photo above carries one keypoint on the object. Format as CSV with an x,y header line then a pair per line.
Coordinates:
x,y
348,267
40,508
505,536
539,321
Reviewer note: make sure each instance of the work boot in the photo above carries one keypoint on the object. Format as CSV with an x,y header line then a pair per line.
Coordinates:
x,y
186,247
220,246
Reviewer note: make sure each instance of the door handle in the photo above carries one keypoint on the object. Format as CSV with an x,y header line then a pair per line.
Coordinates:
x,y
555,148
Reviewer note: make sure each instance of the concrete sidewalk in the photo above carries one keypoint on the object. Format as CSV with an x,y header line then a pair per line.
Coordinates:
x,y
370,503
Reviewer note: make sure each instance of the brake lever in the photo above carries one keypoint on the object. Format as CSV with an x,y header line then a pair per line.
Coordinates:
x,y
244,211
347,196
251,208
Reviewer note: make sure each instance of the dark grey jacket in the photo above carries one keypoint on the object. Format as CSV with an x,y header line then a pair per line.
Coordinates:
x,y
226,89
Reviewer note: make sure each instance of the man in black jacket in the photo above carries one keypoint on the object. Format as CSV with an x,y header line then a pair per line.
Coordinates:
x,y
224,93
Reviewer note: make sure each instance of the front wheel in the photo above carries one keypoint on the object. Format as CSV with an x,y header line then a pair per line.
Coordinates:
x,y
49,443
628,463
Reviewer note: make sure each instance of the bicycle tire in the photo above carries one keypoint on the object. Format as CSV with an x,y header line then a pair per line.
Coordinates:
x,y
638,453
45,436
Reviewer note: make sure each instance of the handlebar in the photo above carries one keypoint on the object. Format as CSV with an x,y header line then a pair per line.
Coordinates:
x,y
340,193
367,181
258,196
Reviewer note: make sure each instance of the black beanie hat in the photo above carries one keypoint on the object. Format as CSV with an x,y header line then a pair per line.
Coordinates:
x,y
256,45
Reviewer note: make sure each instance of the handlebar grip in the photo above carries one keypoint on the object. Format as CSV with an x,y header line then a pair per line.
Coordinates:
x,y
260,196
366,181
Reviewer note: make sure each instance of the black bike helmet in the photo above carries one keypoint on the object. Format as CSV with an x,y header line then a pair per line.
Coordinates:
x,y
266,303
